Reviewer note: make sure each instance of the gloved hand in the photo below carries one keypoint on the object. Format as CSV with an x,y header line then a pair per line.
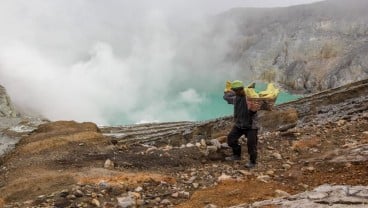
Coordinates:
x,y
227,86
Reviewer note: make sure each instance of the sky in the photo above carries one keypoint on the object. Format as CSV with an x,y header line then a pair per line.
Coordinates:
x,y
115,61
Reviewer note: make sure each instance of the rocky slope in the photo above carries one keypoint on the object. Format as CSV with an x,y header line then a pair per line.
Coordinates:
x,y
304,145
11,119
306,48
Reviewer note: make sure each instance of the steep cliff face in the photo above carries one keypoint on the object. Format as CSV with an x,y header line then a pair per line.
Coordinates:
x,y
6,107
306,48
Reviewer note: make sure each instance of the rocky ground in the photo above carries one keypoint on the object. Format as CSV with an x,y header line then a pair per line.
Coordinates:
x,y
310,157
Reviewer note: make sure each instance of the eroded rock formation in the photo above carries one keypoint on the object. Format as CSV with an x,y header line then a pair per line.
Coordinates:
x,y
6,106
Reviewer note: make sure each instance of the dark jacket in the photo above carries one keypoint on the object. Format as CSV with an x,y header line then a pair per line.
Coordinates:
x,y
243,117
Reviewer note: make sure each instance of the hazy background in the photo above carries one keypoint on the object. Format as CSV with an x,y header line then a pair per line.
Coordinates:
x,y
114,62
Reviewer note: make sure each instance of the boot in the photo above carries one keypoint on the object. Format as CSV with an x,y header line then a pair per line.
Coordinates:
x,y
233,158
250,165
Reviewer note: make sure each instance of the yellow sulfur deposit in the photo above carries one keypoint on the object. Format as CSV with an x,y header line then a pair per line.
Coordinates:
x,y
271,92
250,92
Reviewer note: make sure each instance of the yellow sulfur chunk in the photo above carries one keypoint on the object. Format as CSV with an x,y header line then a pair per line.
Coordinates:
x,y
251,93
271,92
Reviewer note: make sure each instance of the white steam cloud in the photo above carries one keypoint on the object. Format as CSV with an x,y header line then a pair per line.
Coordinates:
x,y
111,61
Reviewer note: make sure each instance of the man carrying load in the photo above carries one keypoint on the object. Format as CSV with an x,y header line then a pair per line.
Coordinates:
x,y
244,115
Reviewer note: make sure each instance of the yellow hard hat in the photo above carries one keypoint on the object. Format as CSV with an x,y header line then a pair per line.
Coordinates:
x,y
237,84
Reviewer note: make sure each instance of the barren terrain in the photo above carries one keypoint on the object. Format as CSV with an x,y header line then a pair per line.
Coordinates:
x,y
69,164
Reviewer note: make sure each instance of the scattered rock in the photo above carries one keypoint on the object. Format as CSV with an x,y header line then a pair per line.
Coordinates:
x,y
63,193
189,145
138,189
109,164
126,202
184,194
224,177
95,203
264,178
281,193
165,202
270,172
277,156
341,122
286,166
245,172
175,195
310,168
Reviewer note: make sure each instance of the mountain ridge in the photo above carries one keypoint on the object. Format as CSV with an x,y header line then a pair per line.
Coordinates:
x,y
305,48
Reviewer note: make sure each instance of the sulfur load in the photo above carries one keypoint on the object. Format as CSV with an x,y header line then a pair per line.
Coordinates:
x,y
264,99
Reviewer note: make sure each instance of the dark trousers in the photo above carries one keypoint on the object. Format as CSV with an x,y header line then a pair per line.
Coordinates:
x,y
252,140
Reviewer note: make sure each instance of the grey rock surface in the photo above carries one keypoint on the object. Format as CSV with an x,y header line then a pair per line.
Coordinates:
x,y
6,107
7,143
305,48
325,196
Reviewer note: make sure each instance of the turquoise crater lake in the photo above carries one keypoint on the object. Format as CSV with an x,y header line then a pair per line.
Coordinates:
x,y
215,106
211,106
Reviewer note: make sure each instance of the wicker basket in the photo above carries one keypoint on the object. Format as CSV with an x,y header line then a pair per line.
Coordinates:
x,y
256,104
